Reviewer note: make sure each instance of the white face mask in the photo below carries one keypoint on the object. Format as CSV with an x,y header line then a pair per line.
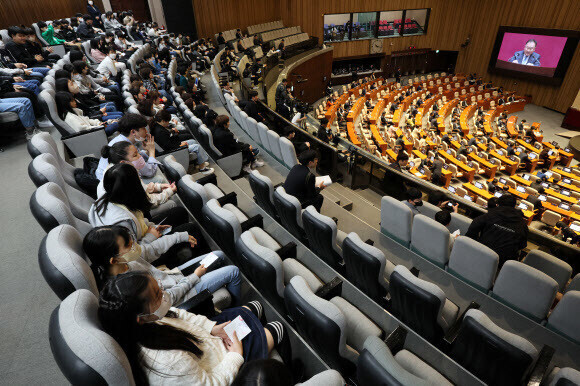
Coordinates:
x,y
163,309
112,56
90,3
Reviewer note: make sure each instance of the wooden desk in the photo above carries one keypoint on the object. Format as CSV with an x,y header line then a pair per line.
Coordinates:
x,y
490,169
466,170
379,139
376,114
571,187
527,146
355,110
352,134
391,154
480,192
499,142
521,180
415,172
418,154
523,196
466,114
446,177
565,157
560,196
488,119
510,166
511,126
566,213
566,174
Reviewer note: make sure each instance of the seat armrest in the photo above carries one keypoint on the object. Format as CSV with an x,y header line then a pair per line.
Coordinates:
x,y
200,304
454,329
396,339
287,251
539,370
210,178
277,185
230,198
331,289
256,221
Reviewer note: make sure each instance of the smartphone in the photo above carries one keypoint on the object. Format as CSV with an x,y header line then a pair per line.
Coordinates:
x,y
166,231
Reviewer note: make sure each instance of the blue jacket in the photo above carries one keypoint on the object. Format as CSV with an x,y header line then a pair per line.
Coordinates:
x,y
534,58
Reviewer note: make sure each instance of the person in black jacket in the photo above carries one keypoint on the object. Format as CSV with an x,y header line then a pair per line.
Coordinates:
x,y
393,184
170,138
85,30
290,133
251,107
301,183
19,49
227,144
324,132
503,229
221,39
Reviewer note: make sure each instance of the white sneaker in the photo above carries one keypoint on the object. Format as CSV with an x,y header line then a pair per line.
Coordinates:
x,y
247,169
44,122
257,164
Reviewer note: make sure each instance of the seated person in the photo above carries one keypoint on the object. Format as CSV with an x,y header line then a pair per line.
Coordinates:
x,y
19,49
290,133
164,343
444,217
301,183
414,199
441,200
74,117
169,138
227,144
113,251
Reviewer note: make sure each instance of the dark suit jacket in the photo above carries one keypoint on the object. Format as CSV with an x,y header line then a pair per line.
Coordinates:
x,y
85,32
252,110
225,141
534,58
300,183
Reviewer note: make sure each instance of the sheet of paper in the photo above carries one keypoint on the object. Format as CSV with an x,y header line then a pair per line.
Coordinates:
x,y
326,179
209,260
456,233
239,326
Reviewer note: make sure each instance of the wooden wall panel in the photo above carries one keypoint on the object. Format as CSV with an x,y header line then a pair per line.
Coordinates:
x,y
16,12
213,16
450,23
315,71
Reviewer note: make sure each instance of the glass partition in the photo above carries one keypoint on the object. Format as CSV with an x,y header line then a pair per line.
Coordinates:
x,y
337,27
390,24
416,21
363,25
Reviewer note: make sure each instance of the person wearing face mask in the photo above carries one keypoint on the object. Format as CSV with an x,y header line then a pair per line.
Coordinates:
x,y
113,251
301,183
91,107
111,22
109,67
89,90
19,49
74,117
168,345
95,13
133,128
414,200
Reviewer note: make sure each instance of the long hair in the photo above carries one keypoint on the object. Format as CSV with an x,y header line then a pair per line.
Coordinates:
x,y
264,372
123,186
100,245
116,153
62,100
122,300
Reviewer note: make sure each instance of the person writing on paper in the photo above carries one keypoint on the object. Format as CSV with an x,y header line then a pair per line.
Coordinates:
x,y
527,56
301,183
113,251
166,345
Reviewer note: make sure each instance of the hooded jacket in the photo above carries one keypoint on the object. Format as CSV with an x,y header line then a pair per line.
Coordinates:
x,y
502,229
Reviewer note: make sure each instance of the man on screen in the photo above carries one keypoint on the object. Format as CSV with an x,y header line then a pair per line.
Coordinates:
x,y
527,56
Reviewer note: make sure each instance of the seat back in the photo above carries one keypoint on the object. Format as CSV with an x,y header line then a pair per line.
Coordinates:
x,y
289,211
429,209
263,266
416,302
263,133
326,378
557,269
473,263
50,207
396,220
222,226
321,232
85,353
263,192
430,239
377,366
252,127
274,140
319,321
192,194
48,104
564,319
525,289
494,355
288,153
206,138
173,169
62,262
365,266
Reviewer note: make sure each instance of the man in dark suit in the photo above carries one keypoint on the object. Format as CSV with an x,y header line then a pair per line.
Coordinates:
x,y
251,107
527,56
85,30
221,39
301,183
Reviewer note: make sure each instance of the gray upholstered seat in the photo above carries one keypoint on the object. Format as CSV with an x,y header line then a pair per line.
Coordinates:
x,y
396,220
45,168
565,376
494,355
420,304
557,269
288,153
232,164
268,271
289,211
252,127
263,190
459,221
62,262
378,366
324,238
274,141
574,284
243,122
46,99
564,319
263,133
366,267
325,378
335,329
50,206
431,240
84,352
473,263
44,143
173,169
429,210
525,289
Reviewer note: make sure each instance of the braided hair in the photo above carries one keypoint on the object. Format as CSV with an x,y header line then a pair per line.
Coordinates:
x,y
122,300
